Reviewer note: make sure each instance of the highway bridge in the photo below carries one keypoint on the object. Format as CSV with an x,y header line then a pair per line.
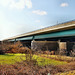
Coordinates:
x,y
62,34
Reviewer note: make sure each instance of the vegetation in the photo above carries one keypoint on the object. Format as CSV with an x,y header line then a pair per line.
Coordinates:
x,y
46,61
25,66
19,60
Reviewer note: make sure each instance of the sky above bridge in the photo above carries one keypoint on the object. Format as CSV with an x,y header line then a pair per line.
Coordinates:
x,y
21,16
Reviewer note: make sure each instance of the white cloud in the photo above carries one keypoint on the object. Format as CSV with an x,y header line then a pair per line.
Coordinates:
x,y
5,2
20,4
37,21
39,12
64,5
42,27
28,3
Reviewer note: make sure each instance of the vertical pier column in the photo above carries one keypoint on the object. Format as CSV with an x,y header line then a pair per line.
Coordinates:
x,y
14,41
59,44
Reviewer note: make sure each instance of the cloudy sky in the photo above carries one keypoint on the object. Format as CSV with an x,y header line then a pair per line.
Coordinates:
x,y
21,16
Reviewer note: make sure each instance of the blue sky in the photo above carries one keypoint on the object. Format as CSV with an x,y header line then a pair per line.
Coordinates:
x,y
21,16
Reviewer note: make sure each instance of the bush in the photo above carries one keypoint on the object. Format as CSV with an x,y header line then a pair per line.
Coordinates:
x,y
14,48
48,52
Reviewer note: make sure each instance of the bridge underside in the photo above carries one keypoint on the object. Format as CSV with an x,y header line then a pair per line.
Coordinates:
x,y
62,39
64,35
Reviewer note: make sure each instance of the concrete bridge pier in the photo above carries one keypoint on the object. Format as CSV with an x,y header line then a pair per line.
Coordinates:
x,y
44,45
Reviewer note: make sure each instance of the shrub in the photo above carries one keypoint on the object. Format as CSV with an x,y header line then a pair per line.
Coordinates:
x,y
48,52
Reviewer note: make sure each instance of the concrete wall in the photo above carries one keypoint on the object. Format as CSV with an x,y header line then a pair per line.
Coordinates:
x,y
44,45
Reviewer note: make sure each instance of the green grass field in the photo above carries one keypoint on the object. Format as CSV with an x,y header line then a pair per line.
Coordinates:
x,y
13,58
10,58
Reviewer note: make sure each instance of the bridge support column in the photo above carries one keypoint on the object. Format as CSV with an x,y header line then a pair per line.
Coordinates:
x,y
32,44
14,41
59,44
62,48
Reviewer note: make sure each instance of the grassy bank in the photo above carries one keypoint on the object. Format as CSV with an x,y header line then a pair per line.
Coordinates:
x,y
13,58
46,61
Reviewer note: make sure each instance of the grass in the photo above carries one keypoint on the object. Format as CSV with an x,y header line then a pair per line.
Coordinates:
x,y
67,73
13,58
10,58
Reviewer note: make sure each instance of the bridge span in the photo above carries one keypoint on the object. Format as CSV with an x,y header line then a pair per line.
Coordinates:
x,y
60,31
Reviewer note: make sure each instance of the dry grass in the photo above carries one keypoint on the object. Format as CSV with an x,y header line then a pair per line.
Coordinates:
x,y
59,57
67,73
30,68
